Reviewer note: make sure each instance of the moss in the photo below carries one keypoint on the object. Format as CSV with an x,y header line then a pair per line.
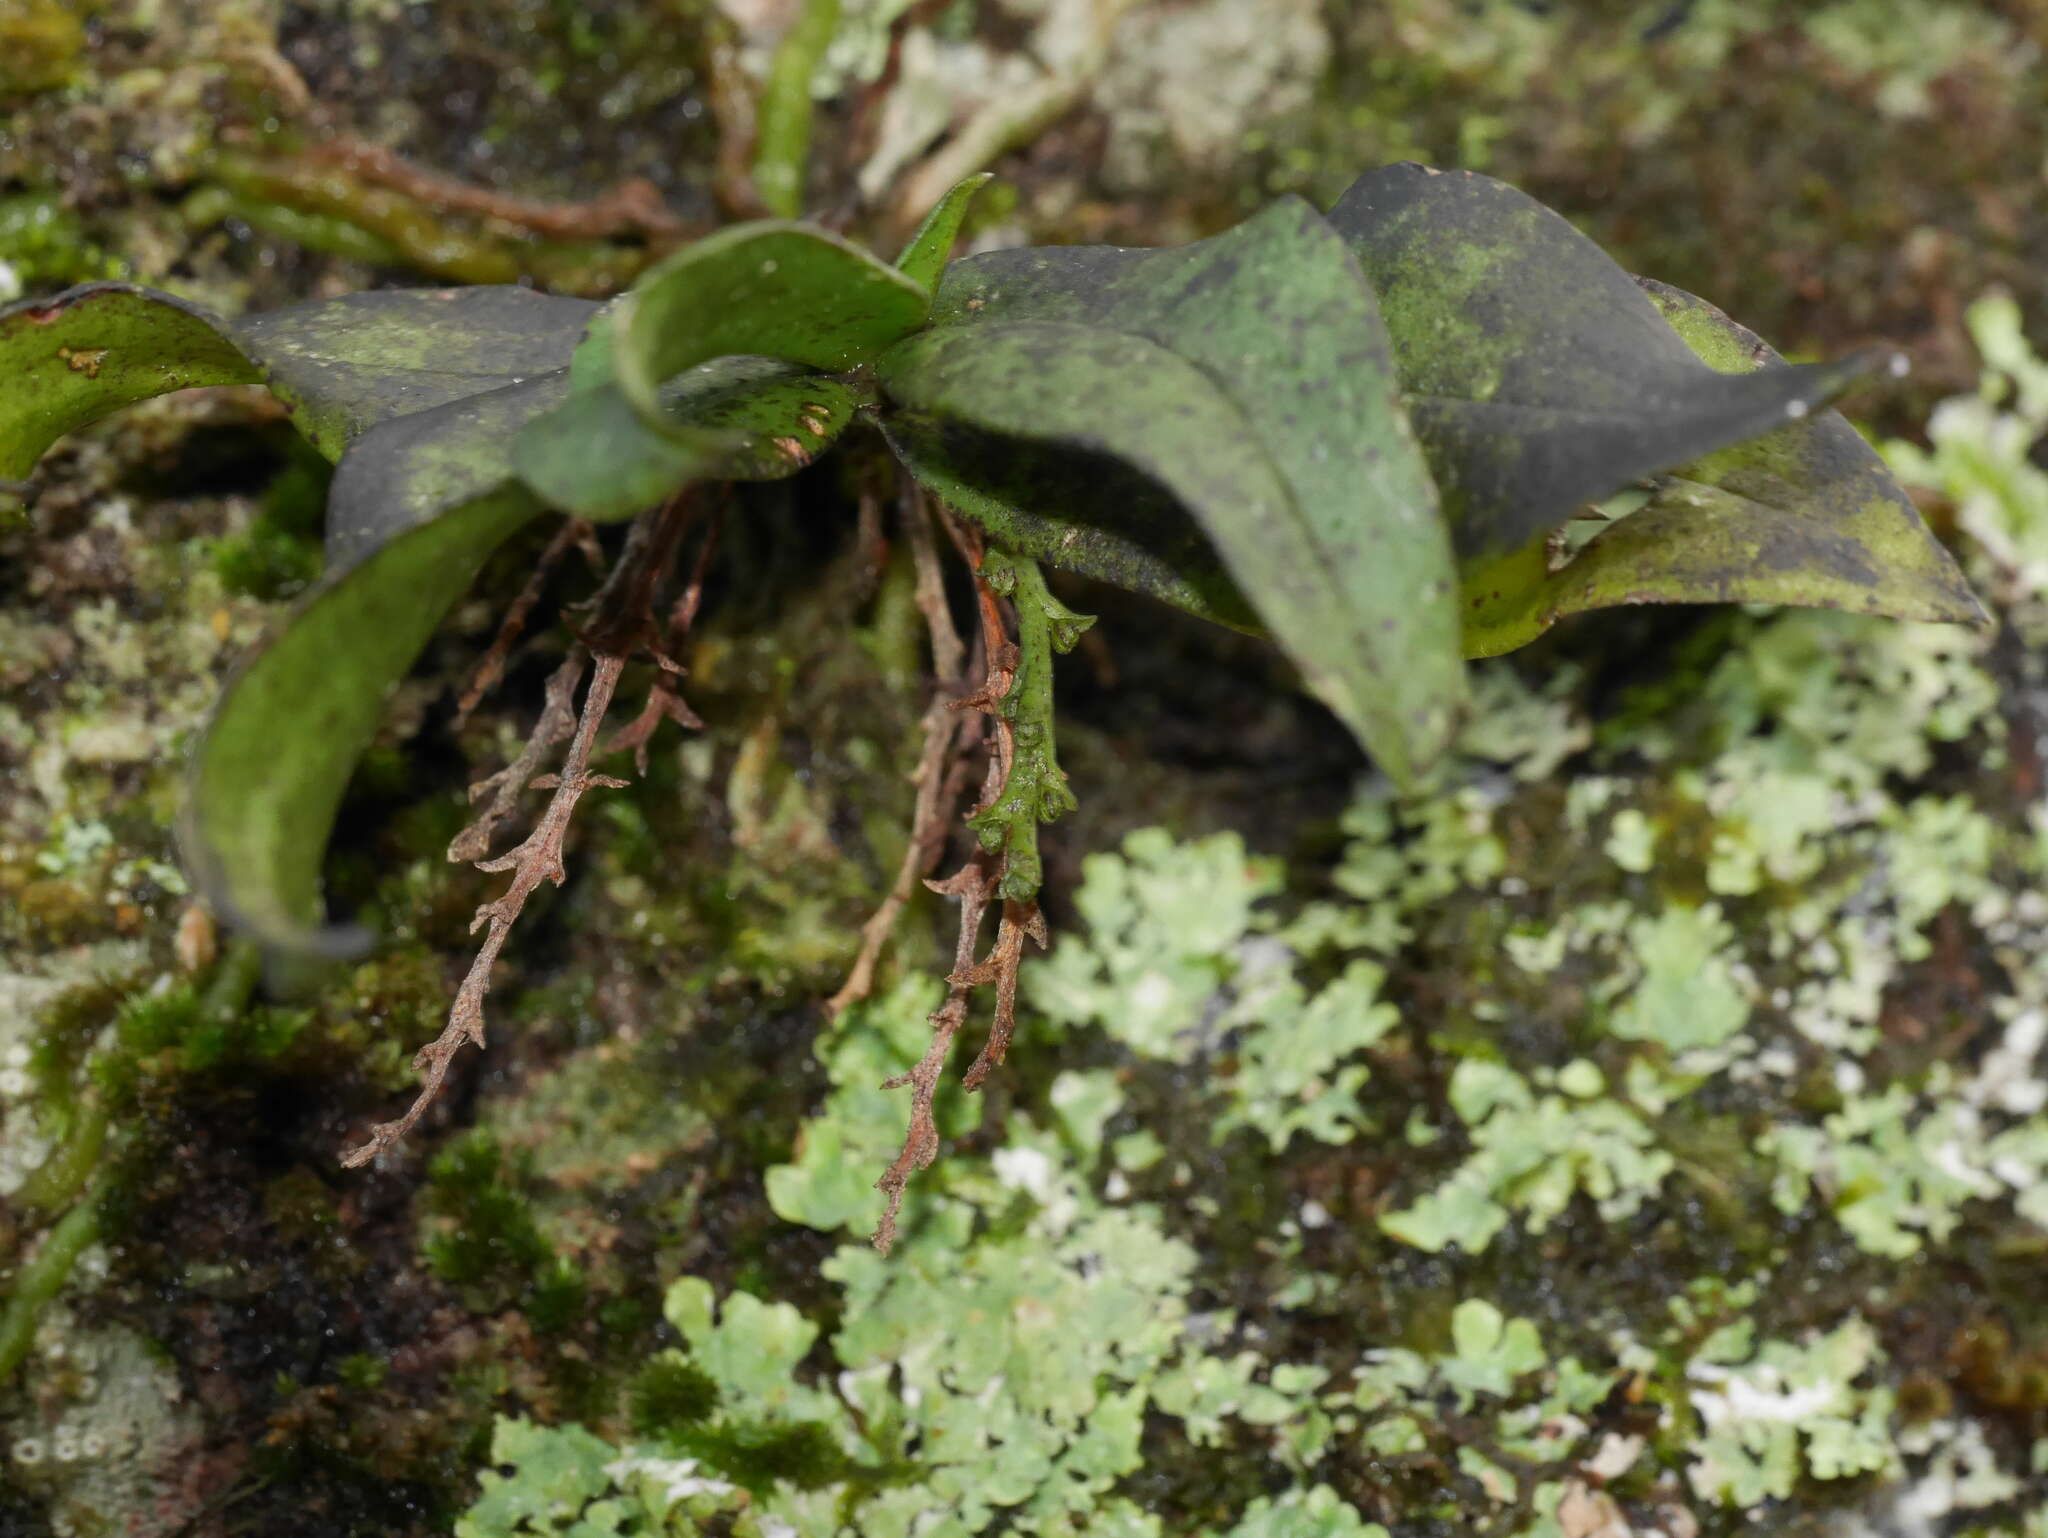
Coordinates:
x,y
42,41
485,1237
669,1396
279,553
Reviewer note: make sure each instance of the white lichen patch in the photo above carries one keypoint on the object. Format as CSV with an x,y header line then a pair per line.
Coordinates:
x,y
1186,85
106,1432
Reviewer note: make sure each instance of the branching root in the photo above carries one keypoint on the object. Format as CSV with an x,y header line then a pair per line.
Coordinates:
x,y
977,885
624,624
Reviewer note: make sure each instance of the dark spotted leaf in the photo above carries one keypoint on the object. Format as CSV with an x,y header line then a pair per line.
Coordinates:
x,y
416,467
342,365
346,364
275,757
1806,515
1539,377
733,418
1354,575
1074,508
68,361
924,257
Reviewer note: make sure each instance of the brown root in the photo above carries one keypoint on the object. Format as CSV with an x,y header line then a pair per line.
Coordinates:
x,y
539,858
664,699
1021,921
574,532
975,885
623,623
942,732
557,724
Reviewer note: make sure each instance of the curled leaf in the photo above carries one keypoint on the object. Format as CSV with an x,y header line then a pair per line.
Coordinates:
x,y
735,418
774,289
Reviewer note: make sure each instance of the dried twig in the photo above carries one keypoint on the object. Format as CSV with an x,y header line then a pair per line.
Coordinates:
x,y
538,858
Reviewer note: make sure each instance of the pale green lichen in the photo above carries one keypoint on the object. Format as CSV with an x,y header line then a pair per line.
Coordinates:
x,y
1688,996
1531,1154
1773,1412
986,1377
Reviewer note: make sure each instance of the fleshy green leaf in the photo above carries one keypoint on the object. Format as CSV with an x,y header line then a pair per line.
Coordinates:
x,y
1806,515
1353,572
779,290
735,418
276,756
341,365
924,257
1120,396
415,468
1538,375
68,361
346,364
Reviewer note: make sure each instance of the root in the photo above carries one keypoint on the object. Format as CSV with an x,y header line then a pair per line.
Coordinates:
x,y
664,700
574,532
624,624
989,876
974,884
1020,921
942,730
539,858
557,723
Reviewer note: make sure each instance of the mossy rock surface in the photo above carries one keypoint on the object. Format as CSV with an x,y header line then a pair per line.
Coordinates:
x,y
1362,1159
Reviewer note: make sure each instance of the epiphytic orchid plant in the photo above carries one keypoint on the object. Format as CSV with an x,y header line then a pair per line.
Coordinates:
x,y
1361,433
